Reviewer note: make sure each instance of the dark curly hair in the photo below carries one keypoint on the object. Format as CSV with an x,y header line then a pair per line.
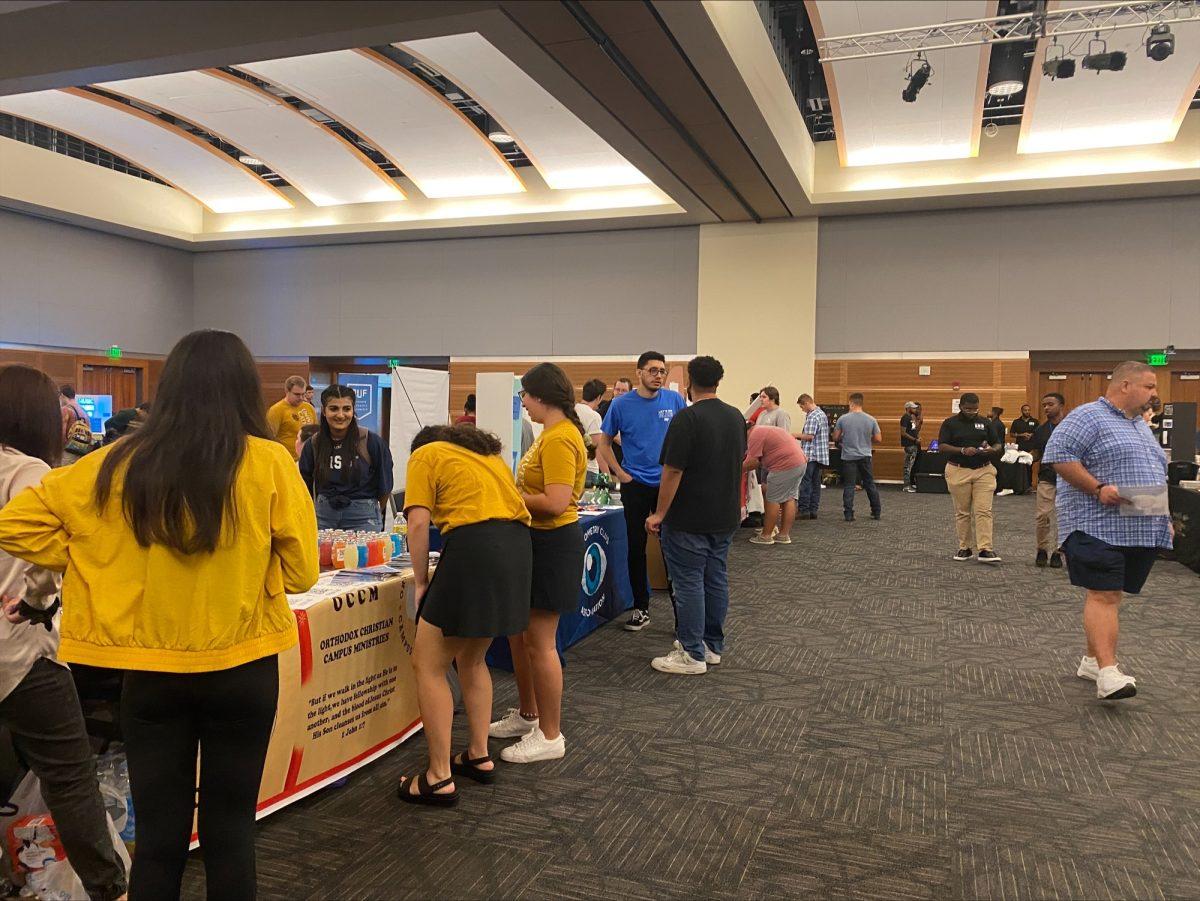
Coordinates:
x,y
467,436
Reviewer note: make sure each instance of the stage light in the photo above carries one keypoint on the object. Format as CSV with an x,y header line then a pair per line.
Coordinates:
x,y
1161,43
249,160
1008,70
1060,66
1103,61
918,74
500,137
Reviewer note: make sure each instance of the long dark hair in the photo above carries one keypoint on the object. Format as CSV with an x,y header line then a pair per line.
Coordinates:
x,y
549,384
466,436
30,413
177,489
323,440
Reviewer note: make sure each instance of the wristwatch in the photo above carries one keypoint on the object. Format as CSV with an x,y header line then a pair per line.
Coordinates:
x,y
1099,487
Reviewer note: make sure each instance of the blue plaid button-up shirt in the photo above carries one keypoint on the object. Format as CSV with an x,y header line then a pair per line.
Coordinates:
x,y
1116,450
817,425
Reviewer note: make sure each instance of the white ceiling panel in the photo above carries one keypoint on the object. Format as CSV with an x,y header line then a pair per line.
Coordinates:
x,y
215,179
1142,104
431,142
565,151
874,125
321,165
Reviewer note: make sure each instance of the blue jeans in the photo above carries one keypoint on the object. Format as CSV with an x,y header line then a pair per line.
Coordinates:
x,y
852,471
696,565
810,489
361,515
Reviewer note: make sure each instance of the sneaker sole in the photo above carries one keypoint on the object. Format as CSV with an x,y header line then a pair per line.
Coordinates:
x,y
1125,691
680,672
1087,676
962,559
989,561
631,627
538,759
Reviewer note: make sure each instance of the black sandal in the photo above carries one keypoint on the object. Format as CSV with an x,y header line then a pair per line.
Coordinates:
x,y
461,765
426,793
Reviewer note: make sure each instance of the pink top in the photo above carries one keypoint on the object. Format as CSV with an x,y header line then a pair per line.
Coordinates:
x,y
777,449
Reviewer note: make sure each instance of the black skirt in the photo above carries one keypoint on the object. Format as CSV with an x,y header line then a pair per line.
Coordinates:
x,y
557,568
480,588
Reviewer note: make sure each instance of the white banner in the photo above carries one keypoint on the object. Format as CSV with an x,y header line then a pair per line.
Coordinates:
x,y
420,397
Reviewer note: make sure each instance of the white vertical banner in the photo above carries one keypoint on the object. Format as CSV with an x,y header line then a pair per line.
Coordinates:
x,y
420,397
498,410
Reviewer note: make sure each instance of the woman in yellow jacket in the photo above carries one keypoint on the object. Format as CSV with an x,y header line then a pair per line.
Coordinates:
x,y
177,545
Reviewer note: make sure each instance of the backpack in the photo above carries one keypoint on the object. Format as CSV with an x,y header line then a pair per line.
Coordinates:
x,y
79,438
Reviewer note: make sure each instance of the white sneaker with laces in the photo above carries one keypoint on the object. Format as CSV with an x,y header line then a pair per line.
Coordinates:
x,y
534,747
1088,669
757,538
1114,685
711,657
513,725
679,662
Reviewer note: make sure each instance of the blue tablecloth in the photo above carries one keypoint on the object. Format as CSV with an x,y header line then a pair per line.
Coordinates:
x,y
604,591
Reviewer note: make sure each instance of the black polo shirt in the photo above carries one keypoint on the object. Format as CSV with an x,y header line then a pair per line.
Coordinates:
x,y
960,432
1041,435
1025,425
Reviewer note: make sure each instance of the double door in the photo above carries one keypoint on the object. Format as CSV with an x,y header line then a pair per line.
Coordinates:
x,y
1075,387
124,383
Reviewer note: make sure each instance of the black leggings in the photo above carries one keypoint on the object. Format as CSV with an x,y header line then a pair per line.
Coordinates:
x,y
167,718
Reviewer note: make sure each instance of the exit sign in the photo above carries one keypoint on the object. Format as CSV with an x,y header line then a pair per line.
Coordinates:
x,y
1156,359
114,352
393,362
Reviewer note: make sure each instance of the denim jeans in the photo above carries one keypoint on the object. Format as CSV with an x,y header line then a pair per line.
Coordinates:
x,y
852,471
696,564
47,727
810,489
361,515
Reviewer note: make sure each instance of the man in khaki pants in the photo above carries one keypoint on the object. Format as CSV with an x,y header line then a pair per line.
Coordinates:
x,y
969,445
1045,520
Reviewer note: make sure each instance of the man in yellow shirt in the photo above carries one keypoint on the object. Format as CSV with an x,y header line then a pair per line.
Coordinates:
x,y
287,416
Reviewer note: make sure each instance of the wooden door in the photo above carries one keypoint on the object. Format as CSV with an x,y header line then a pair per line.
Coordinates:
x,y
1185,388
1075,387
122,382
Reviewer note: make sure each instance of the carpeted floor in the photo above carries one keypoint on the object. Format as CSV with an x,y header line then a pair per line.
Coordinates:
x,y
887,723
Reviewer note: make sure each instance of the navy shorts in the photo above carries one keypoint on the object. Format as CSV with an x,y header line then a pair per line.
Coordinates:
x,y
1101,566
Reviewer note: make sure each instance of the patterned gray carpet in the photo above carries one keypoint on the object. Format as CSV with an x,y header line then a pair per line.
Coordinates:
x,y
887,724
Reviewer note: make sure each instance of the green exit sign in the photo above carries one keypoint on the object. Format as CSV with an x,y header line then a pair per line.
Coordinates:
x,y
1156,359
393,362
114,352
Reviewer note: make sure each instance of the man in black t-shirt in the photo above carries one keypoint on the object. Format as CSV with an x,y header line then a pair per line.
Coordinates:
x,y
970,443
910,440
1045,519
698,512
1023,427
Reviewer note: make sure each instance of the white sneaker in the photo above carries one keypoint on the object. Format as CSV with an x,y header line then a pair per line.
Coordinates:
x,y
711,657
1114,685
783,539
534,747
757,538
1004,492
1088,669
680,662
512,726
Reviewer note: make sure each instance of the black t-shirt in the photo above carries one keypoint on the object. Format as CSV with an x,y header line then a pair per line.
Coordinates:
x,y
708,442
910,432
959,432
1022,430
1037,445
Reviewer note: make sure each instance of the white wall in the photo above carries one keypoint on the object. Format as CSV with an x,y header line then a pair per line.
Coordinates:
x,y
1085,276
62,286
568,294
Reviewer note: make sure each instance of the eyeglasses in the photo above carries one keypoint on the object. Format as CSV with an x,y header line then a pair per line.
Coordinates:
x,y
521,393
655,371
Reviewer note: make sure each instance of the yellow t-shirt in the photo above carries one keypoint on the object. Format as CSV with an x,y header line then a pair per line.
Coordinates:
x,y
307,413
284,421
460,487
151,608
558,457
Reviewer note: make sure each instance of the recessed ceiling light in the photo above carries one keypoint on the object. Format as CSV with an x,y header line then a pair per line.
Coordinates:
x,y
500,137
249,160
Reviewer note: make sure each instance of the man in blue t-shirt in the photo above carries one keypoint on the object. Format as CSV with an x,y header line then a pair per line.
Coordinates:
x,y
641,419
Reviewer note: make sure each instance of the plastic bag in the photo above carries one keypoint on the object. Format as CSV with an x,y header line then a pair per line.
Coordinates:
x,y
113,771
31,840
754,495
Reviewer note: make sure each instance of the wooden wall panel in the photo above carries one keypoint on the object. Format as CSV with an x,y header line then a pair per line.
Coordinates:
x,y
463,372
273,374
886,385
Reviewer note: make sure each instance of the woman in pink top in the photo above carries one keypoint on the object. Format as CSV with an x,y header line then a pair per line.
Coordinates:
x,y
781,456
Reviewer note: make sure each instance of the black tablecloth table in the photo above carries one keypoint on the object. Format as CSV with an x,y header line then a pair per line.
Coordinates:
x,y
1185,512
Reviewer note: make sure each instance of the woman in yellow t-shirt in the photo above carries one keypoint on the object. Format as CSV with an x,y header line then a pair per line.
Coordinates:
x,y
550,479
480,591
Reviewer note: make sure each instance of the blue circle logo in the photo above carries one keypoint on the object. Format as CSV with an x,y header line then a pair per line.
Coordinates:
x,y
595,563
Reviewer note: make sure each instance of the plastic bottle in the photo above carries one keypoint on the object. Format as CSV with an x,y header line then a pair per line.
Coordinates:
x,y
339,553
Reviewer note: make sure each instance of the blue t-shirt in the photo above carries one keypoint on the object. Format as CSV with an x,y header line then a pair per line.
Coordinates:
x,y
857,429
642,424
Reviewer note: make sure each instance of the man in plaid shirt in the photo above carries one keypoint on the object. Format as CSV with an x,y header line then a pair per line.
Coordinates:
x,y
1099,450
814,441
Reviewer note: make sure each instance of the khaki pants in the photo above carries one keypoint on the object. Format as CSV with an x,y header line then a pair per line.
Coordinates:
x,y
1045,517
972,491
